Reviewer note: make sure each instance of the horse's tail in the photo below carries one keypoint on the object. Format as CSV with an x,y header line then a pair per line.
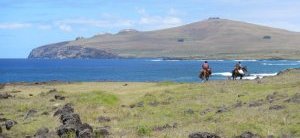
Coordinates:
x,y
200,74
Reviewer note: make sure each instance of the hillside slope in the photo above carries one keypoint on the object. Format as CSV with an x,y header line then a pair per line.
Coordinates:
x,y
212,38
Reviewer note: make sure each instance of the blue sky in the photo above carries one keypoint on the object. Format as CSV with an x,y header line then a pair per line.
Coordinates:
x,y
26,24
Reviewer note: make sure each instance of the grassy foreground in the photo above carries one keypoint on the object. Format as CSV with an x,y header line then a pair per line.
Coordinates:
x,y
166,109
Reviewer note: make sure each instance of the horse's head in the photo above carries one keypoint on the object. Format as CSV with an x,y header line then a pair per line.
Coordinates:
x,y
245,69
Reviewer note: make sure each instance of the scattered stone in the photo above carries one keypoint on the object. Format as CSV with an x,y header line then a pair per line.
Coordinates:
x,y
1,114
153,103
30,113
5,95
270,136
237,104
248,135
132,105
15,91
275,96
65,129
255,103
205,111
85,126
45,113
140,104
175,125
9,124
276,107
67,109
39,83
3,119
59,97
52,91
166,126
28,136
42,132
203,135
71,118
51,100
294,99
102,119
165,102
123,105
102,131
189,111
125,84
241,95
0,129
86,133
30,94
222,109
71,123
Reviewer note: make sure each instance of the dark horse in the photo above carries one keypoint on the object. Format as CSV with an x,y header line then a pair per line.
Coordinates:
x,y
204,74
236,73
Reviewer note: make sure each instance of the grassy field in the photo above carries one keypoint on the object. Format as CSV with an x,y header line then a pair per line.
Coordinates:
x,y
165,109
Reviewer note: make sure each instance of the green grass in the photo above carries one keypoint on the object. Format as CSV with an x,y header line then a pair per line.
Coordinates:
x,y
96,98
163,103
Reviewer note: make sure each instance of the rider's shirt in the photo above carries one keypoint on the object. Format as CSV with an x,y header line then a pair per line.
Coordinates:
x,y
205,66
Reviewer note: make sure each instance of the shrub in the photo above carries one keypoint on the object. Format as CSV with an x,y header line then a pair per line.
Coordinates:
x,y
143,130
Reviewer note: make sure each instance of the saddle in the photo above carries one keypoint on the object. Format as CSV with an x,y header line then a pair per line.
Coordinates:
x,y
208,70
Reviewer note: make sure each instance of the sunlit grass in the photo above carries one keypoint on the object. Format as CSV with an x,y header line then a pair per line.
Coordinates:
x,y
162,103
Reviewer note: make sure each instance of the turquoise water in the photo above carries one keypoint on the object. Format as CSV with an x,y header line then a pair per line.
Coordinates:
x,y
142,70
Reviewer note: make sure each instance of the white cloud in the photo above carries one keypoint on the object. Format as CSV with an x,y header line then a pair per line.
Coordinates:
x,y
14,25
68,24
159,22
65,28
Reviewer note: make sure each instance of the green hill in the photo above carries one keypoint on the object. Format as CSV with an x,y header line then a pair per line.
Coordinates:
x,y
211,38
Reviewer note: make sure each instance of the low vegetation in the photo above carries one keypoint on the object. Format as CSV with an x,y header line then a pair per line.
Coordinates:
x,y
265,107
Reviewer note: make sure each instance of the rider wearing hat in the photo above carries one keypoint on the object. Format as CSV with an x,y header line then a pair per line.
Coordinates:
x,y
205,66
238,65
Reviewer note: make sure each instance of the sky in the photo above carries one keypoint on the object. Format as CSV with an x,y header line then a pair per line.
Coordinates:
x,y
27,24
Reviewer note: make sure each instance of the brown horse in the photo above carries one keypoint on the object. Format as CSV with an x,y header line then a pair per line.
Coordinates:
x,y
236,73
204,74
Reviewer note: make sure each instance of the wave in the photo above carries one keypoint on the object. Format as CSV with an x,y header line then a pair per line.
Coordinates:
x,y
173,60
280,64
209,60
259,75
222,74
247,60
249,77
264,74
159,60
156,60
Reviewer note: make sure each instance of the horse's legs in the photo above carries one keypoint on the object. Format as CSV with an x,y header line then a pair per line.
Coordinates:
x,y
241,77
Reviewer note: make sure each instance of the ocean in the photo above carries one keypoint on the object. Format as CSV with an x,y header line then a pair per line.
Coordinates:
x,y
130,70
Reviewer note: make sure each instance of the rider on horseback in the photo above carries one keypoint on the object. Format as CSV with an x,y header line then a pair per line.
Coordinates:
x,y
238,65
205,67
238,68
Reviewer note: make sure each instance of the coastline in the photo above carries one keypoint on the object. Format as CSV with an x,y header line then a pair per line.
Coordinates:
x,y
55,82
129,106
